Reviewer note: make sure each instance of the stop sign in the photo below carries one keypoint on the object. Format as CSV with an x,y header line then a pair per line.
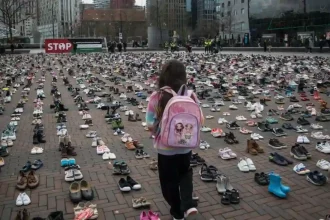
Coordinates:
x,y
58,46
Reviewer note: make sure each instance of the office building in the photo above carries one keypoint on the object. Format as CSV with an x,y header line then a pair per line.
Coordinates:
x,y
289,20
233,19
206,18
59,18
102,4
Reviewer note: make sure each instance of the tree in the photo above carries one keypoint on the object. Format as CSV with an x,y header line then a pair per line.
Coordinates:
x,y
13,12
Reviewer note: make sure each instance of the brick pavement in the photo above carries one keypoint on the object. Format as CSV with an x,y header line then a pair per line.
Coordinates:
x,y
305,201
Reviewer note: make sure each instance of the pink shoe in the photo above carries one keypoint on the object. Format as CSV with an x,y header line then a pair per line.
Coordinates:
x,y
144,216
153,215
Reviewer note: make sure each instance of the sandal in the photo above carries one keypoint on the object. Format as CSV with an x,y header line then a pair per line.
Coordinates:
x,y
226,198
224,154
234,197
94,208
141,202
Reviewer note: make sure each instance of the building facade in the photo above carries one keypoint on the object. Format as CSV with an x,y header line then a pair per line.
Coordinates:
x,y
289,20
166,18
102,4
206,18
118,4
233,19
58,19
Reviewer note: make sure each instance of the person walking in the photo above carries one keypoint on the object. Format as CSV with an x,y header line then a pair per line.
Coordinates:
x,y
311,44
175,173
265,46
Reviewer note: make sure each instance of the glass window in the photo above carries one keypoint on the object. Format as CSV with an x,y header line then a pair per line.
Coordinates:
x,y
228,3
235,12
228,13
223,5
242,1
234,2
242,26
242,11
222,15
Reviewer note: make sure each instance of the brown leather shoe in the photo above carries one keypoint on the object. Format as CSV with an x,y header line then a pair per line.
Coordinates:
x,y
64,153
71,152
18,216
21,181
33,180
250,149
137,144
256,146
129,145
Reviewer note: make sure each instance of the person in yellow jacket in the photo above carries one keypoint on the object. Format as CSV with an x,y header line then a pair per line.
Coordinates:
x,y
166,46
206,46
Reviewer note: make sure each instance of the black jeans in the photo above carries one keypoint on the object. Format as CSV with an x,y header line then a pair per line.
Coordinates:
x,y
175,175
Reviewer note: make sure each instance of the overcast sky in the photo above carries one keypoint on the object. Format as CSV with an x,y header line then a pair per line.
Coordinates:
x,y
137,2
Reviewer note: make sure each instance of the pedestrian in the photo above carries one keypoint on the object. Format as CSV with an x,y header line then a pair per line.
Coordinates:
x,y
175,173
125,46
12,47
265,46
321,42
311,44
269,46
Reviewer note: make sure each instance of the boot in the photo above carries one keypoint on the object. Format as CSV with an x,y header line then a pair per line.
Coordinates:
x,y
131,118
26,215
71,152
275,186
137,117
40,138
18,216
67,141
232,136
250,149
35,139
256,146
62,108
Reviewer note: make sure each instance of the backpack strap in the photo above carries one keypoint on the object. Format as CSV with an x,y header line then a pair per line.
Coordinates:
x,y
169,90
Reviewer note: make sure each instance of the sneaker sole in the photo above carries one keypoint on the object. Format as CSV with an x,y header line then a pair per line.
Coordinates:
x,y
298,158
272,146
311,181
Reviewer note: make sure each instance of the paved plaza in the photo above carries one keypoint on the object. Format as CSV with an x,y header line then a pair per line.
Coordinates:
x,y
305,201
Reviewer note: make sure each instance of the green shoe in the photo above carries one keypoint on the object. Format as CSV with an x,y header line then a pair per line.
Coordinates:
x,y
114,125
120,123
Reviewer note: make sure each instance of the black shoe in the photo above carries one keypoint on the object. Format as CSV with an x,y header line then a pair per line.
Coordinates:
x,y
268,127
40,138
316,178
262,126
302,121
287,126
196,157
278,132
261,178
132,183
276,144
232,125
293,99
278,159
35,139
305,151
124,186
297,153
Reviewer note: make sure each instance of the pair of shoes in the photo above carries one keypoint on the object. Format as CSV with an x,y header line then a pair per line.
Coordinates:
x,y
208,173
227,154
73,174
230,197
223,184
120,167
232,125
261,178
253,147
31,180
301,169
246,165
276,144
149,216
279,159
196,160
317,178
299,152
86,210
230,138
68,151
117,123
140,154
38,138
128,184
276,187
23,199
80,190
22,215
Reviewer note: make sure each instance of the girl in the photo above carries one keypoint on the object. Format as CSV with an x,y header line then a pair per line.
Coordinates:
x,y
175,173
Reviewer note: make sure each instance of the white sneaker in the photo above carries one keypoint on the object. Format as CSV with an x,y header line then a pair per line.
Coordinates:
x,y
209,116
243,166
205,129
222,121
94,142
91,134
317,126
190,212
19,200
69,176
250,164
26,199
233,107
323,147
323,164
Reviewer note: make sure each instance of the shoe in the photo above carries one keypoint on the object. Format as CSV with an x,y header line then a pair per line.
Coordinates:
x,y
261,178
75,192
302,121
243,165
26,167
190,212
275,187
132,183
21,181
32,180
278,132
232,125
287,126
300,169
323,164
276,144
297,153
278,159
19,200
86,190
316,178
2,162
152,215
323,147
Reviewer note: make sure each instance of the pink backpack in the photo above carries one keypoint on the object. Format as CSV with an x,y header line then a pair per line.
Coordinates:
x,y
181,121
